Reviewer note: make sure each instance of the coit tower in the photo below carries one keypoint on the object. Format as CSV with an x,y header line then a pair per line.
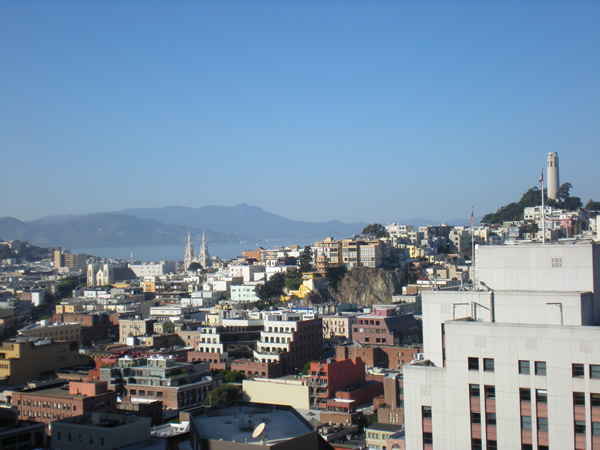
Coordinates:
x,y
552,175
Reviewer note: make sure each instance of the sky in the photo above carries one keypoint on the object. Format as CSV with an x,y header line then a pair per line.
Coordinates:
x,y
323,110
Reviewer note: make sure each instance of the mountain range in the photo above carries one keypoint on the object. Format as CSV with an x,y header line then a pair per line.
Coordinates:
x,y
170,225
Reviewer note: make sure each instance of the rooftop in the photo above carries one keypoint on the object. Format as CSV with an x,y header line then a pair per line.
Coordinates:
x,y
237,423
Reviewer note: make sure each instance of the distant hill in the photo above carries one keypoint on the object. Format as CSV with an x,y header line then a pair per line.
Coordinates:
x,y
169,225
98,230
247,220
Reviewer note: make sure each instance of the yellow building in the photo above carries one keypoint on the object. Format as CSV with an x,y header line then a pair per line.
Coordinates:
x,y
30,359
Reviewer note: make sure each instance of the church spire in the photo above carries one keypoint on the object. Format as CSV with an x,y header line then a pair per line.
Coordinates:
x,y
190,255
204,258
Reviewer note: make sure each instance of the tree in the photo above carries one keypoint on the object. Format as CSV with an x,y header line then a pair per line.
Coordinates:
x,y
306,259
233,376
271,288
306,367
223,394
335,275
591,205
572,203
293,280
564,191
375,230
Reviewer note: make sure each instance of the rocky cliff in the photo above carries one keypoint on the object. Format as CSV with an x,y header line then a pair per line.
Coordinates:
x,y
364,286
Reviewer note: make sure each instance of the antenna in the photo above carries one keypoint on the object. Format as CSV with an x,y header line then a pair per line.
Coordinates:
x,y
258,430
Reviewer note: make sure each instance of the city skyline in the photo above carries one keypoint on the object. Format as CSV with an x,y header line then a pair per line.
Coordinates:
x,y
314,112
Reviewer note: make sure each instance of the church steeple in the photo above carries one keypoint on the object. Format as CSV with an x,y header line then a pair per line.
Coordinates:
x,y
190,255
204,258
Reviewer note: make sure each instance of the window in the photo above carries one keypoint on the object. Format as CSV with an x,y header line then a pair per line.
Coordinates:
x,y
490,418
578,371
426,411
488,365
490,392
476,444
594,371
132,392
579,427
578,398
526,422
159,394
595,428
475,417
595,400
540,368
69,437
492,445
473,363
524,367
525,394
474,390
427,439
542,424
541,395
102,441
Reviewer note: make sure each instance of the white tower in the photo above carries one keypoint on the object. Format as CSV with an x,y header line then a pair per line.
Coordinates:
x,y
190,256
204,257
552,175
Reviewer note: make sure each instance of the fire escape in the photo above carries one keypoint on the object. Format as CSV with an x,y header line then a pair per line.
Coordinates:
x,y
318,388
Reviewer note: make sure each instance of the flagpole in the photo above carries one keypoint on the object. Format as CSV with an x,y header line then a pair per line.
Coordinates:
x,y
543,209
473,247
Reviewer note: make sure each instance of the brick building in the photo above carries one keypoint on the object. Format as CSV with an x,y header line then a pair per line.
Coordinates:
x,y
54,403
386,327
177,385
390,406
386,357
340,385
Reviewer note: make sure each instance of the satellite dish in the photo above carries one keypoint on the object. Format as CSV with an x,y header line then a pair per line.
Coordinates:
x,y
258,430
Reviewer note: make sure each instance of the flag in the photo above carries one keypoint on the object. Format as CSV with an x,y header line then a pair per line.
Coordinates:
x,y
471,216
541,180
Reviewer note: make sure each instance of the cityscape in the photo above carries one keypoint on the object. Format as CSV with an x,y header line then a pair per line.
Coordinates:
x,y
333,225
399,337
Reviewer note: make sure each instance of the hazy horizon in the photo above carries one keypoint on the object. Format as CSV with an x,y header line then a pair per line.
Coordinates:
x,y
314,111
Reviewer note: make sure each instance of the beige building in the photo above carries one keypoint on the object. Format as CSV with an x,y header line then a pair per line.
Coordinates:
x,y
68,332
337,327
28,359
290,390
134,327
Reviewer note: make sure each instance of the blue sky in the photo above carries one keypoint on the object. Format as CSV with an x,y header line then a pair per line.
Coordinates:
x,y
314,110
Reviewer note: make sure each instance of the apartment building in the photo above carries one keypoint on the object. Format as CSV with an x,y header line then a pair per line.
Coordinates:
x,y
177,385
516,363
47,404
338,327
134,327
386,327
25,359
290,339
68,332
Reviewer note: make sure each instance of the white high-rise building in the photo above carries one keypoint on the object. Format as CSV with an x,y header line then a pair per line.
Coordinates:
x,y
516,363
552,170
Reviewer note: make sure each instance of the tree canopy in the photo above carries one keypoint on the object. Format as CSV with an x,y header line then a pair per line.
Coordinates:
x,y
592,205
533,197
306,259
223,394
375,230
